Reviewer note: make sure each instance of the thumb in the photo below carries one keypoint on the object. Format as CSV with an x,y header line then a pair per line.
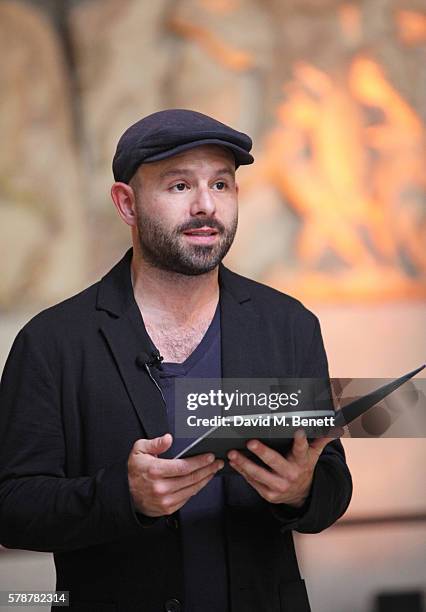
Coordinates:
x,y
154,446
320,443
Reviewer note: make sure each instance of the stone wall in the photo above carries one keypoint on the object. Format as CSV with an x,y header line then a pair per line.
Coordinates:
x,y
332,92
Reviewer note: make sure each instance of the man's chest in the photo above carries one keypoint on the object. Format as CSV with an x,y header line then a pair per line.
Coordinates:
x,y
176,343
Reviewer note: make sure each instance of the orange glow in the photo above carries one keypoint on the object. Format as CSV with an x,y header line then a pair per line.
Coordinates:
x,y
348,154
350,21
399,140
220,7
411,27
226,55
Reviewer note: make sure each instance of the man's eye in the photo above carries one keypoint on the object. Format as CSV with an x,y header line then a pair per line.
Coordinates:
x,y
220,185
179,187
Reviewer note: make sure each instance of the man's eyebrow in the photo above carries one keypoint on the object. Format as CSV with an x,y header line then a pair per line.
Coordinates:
x,y
226,171
185,171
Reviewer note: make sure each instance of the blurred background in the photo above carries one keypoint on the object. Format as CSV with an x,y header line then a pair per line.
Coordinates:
x,y
332,212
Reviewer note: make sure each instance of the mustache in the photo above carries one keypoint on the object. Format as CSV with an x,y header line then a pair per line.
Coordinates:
x,y
201,222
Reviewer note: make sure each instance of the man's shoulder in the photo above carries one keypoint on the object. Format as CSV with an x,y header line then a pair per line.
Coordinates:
x,y
267,298
78,312
66,316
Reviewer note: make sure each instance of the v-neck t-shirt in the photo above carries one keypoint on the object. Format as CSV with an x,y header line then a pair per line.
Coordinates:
x,y
201,519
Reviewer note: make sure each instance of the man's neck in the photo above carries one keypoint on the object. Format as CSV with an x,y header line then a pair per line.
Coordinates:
x,y
164,295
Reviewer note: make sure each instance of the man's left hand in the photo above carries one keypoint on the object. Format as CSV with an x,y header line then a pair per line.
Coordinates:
x,y
288,479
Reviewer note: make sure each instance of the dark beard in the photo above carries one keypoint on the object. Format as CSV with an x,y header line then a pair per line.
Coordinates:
x,y
167,251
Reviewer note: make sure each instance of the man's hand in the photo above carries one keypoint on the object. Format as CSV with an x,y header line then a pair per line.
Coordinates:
x,y
289,479
162,486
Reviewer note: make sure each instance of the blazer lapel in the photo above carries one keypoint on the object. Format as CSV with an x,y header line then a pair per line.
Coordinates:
x,y
242,355
127,338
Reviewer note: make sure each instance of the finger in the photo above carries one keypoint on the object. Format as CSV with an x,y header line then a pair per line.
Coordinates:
x,y
248,469
262,489
182,482
300,449
319,444
170,468
179,498
270,457
153,446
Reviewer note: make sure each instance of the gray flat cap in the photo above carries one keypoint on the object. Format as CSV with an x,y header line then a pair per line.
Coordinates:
x,y
169,132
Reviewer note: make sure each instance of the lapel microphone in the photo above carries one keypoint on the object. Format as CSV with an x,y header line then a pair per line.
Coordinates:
x,y
146,362
152,361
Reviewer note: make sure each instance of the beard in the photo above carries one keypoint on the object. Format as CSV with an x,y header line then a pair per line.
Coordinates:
x,y
167,250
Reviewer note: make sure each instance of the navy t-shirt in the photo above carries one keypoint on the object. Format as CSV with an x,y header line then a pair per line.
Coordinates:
x,y
202,517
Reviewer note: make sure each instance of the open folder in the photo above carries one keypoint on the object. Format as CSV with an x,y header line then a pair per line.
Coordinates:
x,y
220,439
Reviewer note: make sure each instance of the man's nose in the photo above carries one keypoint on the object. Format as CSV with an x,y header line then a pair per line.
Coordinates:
x,y
203,202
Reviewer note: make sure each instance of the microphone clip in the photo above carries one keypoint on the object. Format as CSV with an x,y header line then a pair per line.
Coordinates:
x,y
156,359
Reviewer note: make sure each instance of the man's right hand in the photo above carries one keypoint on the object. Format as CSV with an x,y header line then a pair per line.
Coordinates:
x,y
161,486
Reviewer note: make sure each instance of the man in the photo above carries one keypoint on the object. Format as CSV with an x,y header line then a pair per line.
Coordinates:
x,y
87,468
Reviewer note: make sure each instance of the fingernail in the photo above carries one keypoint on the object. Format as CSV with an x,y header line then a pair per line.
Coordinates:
x,y
210,458
220,465
232,455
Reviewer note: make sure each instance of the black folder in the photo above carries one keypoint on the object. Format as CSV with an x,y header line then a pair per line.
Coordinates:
x,y
221,439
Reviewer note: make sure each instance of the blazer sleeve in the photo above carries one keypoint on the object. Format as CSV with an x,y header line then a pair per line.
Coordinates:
x,y
40,508
331,489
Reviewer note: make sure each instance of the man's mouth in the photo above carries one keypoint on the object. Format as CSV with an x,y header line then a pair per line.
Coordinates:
x,y
201,231
202,235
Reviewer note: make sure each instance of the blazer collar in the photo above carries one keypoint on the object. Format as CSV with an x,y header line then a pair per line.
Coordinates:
x,y
115,292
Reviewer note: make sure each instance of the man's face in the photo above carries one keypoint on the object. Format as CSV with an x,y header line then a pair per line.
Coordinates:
x,y
186,209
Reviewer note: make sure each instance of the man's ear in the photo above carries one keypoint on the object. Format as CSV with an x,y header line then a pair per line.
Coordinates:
x,y
124,200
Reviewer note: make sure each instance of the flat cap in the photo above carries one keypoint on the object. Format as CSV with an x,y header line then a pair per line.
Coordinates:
x,y
169,132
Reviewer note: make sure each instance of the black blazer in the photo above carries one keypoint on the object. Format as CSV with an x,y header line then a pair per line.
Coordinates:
x,y
73,400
